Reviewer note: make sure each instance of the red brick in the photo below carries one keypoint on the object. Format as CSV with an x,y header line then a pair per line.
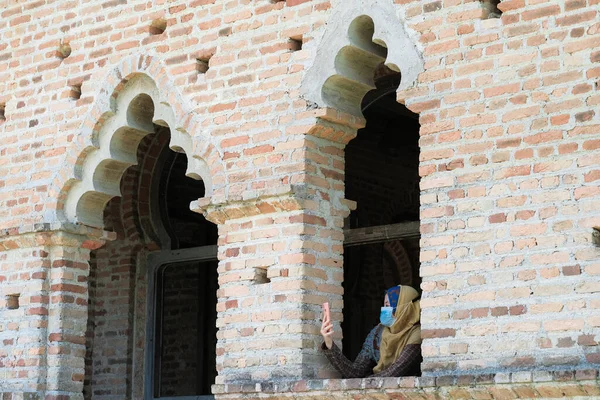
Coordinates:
x,y
292,3
540,12
437,333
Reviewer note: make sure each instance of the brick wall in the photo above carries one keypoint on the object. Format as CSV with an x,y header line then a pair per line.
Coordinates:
x,y
509,120
43,337
508,110
21,328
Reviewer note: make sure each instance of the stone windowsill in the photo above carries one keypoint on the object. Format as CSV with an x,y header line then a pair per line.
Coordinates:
x,y
515,385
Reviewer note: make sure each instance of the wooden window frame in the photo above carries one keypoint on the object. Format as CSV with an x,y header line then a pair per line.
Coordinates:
x,y
382,233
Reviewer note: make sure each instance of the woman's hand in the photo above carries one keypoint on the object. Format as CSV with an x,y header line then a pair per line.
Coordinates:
x,y
327,331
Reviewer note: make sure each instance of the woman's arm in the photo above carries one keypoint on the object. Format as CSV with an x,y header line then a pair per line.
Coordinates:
x,y
407,363
360,368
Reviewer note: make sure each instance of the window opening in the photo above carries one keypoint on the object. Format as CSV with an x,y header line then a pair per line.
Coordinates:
x,y
184,280
185,228
180,342
185,338
381,247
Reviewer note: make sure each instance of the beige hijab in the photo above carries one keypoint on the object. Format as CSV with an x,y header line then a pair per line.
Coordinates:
x,y
405,329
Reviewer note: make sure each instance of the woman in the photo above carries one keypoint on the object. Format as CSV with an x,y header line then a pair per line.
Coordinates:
x,y
392,348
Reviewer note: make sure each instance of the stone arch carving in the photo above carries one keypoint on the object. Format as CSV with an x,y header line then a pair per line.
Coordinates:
x,y
135,96
396,251
362,35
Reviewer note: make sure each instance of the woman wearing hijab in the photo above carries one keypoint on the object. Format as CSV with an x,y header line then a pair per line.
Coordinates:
x,y
392,348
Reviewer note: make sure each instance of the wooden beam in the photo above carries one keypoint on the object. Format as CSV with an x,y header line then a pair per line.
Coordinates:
x,y
203,253
381,233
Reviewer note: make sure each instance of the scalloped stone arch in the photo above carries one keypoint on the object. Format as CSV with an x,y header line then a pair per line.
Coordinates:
x,y
135,95
358,33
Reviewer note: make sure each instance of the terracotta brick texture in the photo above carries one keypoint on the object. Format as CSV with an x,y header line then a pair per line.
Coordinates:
x,y
509,113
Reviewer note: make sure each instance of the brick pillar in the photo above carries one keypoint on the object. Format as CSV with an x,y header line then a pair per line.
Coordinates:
x,y
280,258
68,313
43,340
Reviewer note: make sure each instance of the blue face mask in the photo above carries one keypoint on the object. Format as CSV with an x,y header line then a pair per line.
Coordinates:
x,y
386,317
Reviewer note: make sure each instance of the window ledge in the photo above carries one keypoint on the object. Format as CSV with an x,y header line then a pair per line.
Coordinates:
x,y
515,385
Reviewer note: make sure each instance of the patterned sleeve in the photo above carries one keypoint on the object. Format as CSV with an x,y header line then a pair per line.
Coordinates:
x,y
408,362
360,368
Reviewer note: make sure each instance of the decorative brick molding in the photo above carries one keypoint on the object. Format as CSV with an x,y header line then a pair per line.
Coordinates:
x,y
48,234
517,385
266,201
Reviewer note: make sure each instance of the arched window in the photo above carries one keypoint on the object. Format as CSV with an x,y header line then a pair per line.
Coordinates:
x,y
152,303
382,234
182,282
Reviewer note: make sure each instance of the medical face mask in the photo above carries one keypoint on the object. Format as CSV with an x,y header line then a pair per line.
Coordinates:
x,y
386,317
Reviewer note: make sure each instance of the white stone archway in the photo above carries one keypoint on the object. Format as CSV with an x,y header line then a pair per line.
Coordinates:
x,y
112,130
359,36
130,118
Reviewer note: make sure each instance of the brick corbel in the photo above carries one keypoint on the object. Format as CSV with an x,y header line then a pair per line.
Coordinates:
x,y
327,123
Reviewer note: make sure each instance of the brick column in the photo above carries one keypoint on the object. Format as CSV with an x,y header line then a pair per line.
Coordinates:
x,y
281,255
68,313
43,340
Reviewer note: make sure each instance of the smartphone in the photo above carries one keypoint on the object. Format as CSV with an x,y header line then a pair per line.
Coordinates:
x,y
326,314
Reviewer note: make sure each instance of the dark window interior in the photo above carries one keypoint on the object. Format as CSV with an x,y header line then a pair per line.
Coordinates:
x,y
186,291
382,176
186,228
186,335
